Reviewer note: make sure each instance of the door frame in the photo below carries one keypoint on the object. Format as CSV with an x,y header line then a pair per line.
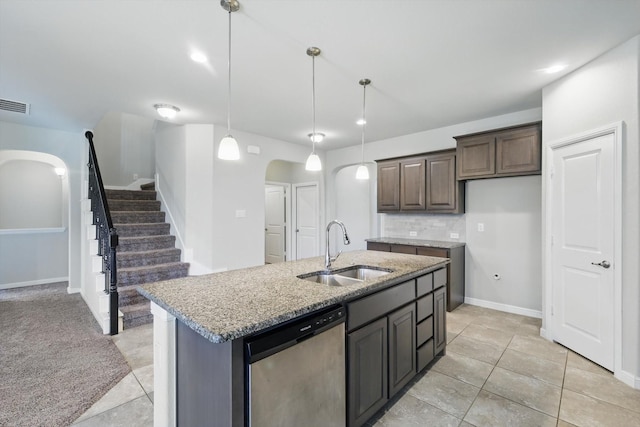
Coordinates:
x,y
287,216
294,217
548,330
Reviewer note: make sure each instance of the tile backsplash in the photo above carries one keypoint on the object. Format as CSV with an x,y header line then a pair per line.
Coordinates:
x,y
429,227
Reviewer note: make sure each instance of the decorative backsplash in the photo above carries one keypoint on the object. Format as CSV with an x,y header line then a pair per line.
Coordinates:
x,y
430,227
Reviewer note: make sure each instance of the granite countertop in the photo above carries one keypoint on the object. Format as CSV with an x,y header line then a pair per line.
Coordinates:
x,y
417,242
232,304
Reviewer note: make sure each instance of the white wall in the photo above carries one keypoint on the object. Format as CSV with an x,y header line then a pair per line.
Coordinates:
x,y
70,148
603,92
352,203
124,146
204,193
522,295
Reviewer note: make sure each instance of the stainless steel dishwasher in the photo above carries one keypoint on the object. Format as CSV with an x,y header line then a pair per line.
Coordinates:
x,y
296,373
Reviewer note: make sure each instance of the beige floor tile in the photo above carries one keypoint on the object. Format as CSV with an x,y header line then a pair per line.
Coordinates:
x,y
527,391
488,335
135,413
539,347
490,410
582,410
574,360
528,329
446,393
410,411
603,387
470,347
456,324
532,366
450,337
126,390
136,345
144,376
562,423
463,368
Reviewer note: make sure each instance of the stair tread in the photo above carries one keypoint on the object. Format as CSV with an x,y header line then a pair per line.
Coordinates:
x,y
148,253
179,264
129,309
153,237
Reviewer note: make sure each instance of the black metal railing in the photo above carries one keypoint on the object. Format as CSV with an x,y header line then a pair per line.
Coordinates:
x,y
106,235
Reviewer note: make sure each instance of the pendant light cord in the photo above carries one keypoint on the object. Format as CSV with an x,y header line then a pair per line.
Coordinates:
x,y
229,85
364,121
313,103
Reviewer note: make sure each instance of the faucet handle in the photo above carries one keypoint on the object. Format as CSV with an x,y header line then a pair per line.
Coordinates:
x,y
336,257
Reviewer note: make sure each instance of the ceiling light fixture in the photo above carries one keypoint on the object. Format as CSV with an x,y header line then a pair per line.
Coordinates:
x,y
166,111
313,161
554,69
228,149
363,171
361,122
60,171
316,137
198,57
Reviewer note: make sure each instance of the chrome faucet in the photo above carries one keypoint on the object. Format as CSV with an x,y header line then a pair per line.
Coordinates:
x,y
328,259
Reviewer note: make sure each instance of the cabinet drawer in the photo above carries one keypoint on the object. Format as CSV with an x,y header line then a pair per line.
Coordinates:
x,y
425,251
403,249
425,331
425,355
425,307
439,278
424,284
375,246
369,308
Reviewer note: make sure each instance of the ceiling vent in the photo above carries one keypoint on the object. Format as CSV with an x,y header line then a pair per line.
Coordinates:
x,y
14,106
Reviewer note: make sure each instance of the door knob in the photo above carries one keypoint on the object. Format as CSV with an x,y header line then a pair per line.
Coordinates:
x,y
603,264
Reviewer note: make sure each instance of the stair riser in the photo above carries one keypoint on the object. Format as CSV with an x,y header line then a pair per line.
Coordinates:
x,y
140,261
134,205
137,217
129,298
162,242
135,278
137,230
143,319
131,195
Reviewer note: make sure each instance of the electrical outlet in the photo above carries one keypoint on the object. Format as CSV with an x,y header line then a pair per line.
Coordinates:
x,y
135,176
454,235
480,227
241,213
413,234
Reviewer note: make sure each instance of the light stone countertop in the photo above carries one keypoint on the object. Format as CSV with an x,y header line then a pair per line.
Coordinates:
x,y
417,242
232,304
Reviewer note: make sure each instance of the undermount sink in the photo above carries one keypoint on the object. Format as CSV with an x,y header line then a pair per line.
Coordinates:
x,y
345,276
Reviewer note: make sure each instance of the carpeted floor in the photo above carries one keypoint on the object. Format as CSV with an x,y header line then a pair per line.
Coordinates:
x,y
54,360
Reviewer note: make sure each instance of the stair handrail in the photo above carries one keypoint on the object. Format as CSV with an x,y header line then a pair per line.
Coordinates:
x,y
106,234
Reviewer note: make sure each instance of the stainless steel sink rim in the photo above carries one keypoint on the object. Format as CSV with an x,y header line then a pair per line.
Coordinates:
x,y
345,276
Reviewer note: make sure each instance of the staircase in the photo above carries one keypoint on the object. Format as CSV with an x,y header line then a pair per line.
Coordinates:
x,y
146,252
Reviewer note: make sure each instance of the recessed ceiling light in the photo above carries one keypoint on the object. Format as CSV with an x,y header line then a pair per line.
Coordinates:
x,y
317,137
554,69
166,111
198,57
361,122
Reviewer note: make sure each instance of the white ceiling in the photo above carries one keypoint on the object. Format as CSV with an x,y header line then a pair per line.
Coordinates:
x,y
432,63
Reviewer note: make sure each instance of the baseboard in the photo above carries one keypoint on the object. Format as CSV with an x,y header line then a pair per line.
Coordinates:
x,y
628,378
34,282
504,307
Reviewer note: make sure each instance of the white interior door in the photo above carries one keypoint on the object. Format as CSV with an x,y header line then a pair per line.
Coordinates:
x,y
306,217
583,241
275,224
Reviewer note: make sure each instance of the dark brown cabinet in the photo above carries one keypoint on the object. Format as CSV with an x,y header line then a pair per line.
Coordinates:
x,y
503,152
402,345
389,186
439,320
412,184
424,183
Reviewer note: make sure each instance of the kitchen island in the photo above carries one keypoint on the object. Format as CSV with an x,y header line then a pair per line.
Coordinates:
x,y
220,310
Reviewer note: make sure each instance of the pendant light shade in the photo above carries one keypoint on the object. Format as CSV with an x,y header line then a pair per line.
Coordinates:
x,y
228,148
363,171
313,162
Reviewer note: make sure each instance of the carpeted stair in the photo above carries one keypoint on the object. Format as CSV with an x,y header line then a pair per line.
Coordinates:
x,y
146,251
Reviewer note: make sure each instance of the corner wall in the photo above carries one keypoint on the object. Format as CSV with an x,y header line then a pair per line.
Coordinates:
x,y
605,91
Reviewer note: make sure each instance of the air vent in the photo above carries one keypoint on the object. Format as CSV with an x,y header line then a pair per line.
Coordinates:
x,y
14,106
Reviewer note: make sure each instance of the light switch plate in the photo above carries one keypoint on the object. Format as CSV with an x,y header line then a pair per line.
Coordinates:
x,y
241,213
413,234
454,236
480,226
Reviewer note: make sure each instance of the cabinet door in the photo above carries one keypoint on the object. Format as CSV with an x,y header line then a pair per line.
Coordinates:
x,y
402,347
439,320
388,186
518,151
376,246
368,370
444,193
403,249
476,157
412,184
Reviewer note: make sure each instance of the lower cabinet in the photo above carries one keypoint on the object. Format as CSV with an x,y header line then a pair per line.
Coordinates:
x,y
392,335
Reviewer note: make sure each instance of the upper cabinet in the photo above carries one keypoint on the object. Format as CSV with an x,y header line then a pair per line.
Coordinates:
x,y
425,183
503,152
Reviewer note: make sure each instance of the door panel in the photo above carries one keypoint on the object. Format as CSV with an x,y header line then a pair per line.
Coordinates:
x,y
274,239
582,234
306,213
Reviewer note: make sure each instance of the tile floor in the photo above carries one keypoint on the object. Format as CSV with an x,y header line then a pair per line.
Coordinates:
x,y
497,372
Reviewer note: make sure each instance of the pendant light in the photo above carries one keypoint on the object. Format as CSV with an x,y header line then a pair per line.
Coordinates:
x,y
363,171
313,162
228,149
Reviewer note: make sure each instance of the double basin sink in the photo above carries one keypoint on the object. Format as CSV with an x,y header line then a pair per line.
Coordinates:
x,y
345,276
